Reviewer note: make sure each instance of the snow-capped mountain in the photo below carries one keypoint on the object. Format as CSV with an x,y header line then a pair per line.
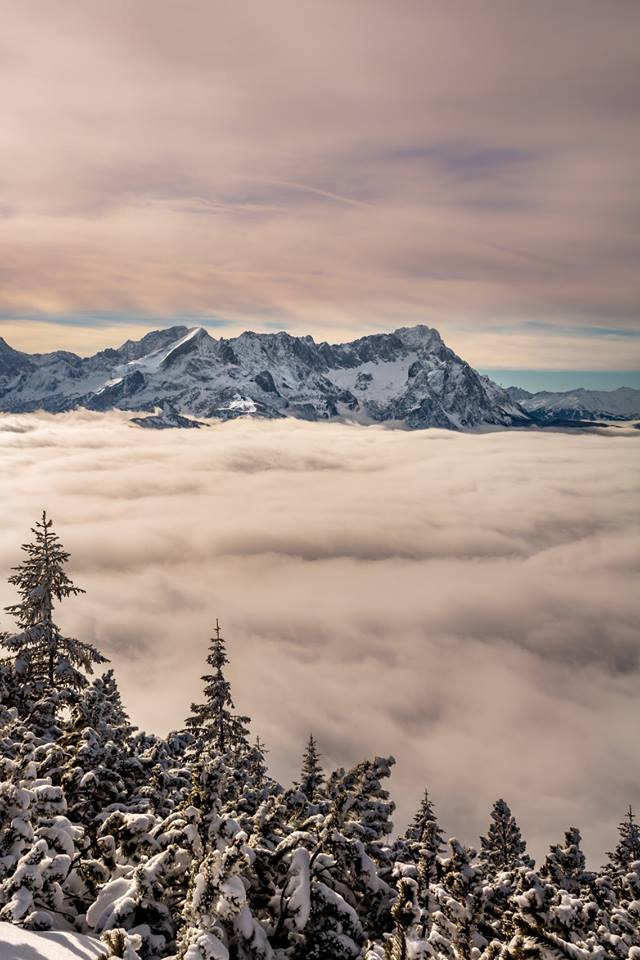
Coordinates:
x,y
580,404
408,377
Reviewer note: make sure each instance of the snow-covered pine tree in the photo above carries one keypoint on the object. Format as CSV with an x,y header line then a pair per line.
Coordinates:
x,y
217,920
166,770
565,866
461,927
94,760
420,831
620,932
43,657
311,775
145,900
407,940
417,856
367,808
41,848
503,847
547,922
258,763
213,723
627,849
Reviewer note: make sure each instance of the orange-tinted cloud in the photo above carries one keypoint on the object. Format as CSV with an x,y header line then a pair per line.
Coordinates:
x,y
332,168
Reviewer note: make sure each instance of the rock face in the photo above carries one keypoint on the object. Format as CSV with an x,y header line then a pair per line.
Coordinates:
x,y
579,405
166,417
406,378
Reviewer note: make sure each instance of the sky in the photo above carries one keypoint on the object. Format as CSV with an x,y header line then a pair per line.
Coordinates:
x,y
559,380
329,168
464,602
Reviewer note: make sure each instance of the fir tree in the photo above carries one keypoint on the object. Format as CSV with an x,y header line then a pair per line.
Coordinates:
x,y
311,775
627,850
424,827
93,758
213,722
503,848
217,919
43,656
461,926
621,933
405,913
565,866
549,922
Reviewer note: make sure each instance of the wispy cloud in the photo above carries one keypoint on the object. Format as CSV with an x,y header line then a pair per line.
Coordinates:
x,y
342,169
110,319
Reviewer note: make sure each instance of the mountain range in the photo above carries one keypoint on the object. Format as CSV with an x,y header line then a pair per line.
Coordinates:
x,y
579,404
407,378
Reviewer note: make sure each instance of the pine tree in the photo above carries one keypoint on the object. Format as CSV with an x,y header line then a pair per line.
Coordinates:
x,y
311,775
622,926
420,830
145,900
366,806
44,658
217,919
461,926
627,850
40,848
405,941
167,772
93,759
503,848
213,722
549,922
565,866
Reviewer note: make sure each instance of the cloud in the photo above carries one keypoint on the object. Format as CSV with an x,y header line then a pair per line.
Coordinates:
x,y
339,168
465,602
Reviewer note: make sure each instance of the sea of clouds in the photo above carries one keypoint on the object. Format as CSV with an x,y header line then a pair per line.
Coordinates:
x,y
465,602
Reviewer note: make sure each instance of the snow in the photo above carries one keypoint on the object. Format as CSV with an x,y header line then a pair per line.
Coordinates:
x,y
240,405
19,944
388,377
108,384
152,361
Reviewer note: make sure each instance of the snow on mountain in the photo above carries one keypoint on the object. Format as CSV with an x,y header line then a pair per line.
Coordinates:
x,y
408,377
580,404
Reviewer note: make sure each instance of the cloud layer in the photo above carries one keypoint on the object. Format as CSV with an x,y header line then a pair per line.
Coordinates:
x,y
333,168
467,603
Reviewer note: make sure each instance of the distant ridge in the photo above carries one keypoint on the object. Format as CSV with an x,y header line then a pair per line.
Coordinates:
x,y
581,404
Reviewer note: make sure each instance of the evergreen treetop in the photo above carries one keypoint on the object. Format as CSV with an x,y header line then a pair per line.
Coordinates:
x,y
420,830
503,847
213,722
42,655
311,775
627,849
566,865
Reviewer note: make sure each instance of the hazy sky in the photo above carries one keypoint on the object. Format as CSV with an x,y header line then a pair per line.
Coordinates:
x,y
330,168
465,602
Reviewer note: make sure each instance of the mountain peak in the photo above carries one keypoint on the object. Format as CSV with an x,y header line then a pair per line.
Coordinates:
x,y
155,340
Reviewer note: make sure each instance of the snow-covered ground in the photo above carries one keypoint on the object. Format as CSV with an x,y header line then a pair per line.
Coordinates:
x,y
19,944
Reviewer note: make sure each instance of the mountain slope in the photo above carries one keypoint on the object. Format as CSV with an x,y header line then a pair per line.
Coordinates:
x,y
580,404
408,377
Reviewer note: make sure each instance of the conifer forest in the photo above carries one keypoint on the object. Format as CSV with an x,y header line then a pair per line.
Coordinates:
x,y
185,847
